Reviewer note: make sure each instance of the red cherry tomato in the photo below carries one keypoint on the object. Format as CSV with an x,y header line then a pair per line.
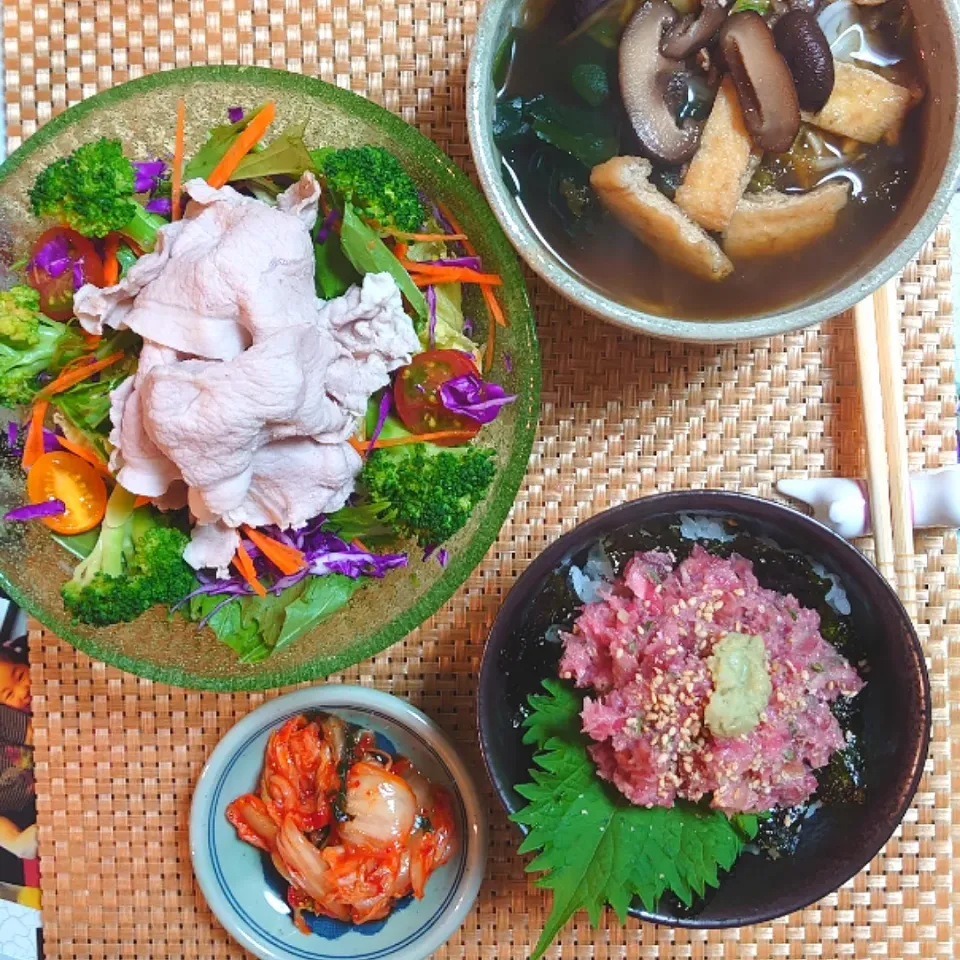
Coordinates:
x,y
56,293
416,393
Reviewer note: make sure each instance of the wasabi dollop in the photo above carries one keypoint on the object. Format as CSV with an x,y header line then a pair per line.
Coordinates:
x,y
741,685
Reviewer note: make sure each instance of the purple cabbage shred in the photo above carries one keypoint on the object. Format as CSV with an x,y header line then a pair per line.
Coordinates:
x,y
147,174
431,298
325,553
470,263
382,415
470,396
161,205
54,258
507,362
35,511
329,222
234,114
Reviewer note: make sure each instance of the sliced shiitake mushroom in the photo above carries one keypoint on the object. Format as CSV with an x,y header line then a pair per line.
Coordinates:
x,y
645,79
803,45
780,7
695,31
764,84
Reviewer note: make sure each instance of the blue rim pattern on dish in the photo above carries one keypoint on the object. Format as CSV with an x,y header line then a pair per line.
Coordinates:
x,y
274,941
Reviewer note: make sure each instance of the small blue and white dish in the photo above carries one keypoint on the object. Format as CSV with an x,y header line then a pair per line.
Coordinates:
x,y
247,895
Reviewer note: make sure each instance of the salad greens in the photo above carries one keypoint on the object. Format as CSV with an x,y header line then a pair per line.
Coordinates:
x,y
372,182
136,563
256,627
369,254
593,846
374,220
92,191
30,344
427,492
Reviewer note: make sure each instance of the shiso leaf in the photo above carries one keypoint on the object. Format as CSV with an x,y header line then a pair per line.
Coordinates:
x,y
596,848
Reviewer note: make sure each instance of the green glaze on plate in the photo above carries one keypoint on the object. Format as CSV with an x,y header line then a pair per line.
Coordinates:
x,y
141,113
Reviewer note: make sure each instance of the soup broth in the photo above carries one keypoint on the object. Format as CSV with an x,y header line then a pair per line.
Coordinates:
x,y
560,113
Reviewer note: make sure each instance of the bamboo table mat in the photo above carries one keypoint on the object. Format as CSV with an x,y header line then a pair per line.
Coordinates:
x,y
622,416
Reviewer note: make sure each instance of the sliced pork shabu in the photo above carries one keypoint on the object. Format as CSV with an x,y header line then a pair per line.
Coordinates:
x,y
232,271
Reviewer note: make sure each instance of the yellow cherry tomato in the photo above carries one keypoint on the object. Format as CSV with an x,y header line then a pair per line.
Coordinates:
x,y
65,476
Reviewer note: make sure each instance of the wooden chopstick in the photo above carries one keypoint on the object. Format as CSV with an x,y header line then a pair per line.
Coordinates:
x,y
901,499
878,475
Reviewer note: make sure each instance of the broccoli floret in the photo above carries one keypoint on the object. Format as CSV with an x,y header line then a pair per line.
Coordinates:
x,y
428,492
372,180
29,344
92,191
136,563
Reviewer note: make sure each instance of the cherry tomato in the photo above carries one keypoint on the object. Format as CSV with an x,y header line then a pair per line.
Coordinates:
x,y
64,476
56,293
416,393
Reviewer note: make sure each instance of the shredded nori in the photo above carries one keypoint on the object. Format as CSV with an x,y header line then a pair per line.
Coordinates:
x,y
339,805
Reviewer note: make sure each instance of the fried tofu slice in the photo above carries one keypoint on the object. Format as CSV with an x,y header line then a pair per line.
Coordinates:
x,y
723,165
771,224
863,106
623,184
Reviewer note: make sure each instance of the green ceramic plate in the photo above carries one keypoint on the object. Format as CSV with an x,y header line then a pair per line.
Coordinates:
x,y
33,566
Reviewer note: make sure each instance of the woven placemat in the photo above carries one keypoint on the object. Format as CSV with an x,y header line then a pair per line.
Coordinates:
x,y
622,416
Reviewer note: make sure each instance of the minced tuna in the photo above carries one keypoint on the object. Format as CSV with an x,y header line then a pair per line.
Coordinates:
x,y
643,651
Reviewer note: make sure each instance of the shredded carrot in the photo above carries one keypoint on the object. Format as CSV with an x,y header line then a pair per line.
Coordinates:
x,y
176,177
33,445
246,569
426,275
490,298
454,273
491,344
240,147
360,545
92,340
134,246
141,501
488,295
463,435
466,276
400,251
111,265
285,558
85,453
357,445
75,374
425,237
452,220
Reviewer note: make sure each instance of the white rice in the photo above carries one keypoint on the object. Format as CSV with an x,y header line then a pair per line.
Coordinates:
x,y
703,528
837,596
587,583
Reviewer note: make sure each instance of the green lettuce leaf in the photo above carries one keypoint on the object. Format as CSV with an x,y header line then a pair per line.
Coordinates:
x,y
203,162
369,254
284,156
594,847
321,598
255,627
335,274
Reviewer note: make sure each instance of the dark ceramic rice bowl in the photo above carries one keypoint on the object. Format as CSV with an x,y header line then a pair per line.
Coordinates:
x,y
839,839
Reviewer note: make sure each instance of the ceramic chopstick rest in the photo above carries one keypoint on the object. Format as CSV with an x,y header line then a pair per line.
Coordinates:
x,y
842,504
